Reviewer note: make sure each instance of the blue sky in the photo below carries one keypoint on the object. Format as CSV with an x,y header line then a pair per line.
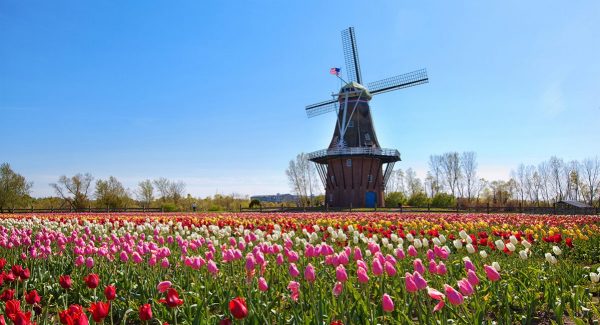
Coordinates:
x,y
214,93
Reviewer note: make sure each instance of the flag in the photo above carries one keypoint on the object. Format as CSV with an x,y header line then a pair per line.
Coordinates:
x,y
335,71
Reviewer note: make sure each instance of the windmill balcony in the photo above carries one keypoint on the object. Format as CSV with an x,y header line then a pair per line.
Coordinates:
x,y
386,155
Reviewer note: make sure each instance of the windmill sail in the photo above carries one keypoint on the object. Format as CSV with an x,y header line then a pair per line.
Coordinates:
x,y
351,55
406,80
321,108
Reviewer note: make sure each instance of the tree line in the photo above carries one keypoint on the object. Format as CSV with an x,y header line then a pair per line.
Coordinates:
x,y
81,192
452,179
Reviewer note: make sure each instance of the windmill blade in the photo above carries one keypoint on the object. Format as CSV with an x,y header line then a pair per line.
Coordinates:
x,y
351,55
321,108
402,81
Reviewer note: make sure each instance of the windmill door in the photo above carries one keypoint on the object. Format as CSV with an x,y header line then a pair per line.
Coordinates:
x,y
370,199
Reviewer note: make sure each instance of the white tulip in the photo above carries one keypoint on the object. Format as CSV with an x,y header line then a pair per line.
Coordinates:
x,y
410,237
463,234
437,242
442,239
483,254
470,249
511,247
469,240
595,277
499,244
556,250
513,239
526,243
425,242
496,265
550,258
417,243
523,254
457,243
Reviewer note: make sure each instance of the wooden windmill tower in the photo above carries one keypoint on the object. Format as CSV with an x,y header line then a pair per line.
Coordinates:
x,y
354,168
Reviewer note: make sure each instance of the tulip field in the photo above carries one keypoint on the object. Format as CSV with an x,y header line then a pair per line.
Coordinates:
x,y
299,268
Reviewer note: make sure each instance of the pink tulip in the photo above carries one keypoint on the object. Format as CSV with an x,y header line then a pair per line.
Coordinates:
x,y
136,257
469,265
362,275
418,266
80,260
390,269
309,273
294,287
472,278
163,286
412,251
89,262
279,259
439,306
465,287
441,268
491,273
400,254
212,267
123,256
250,262
410,283
432,267
262,284
419,280
454,296
377,267
293,270
337,289
340,273
430,255
435,294
387,303
164,263
357,254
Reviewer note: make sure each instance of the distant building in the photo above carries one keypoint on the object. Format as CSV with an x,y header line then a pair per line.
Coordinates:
x,y
277,198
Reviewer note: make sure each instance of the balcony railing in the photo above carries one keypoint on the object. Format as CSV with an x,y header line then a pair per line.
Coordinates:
x,y
359,151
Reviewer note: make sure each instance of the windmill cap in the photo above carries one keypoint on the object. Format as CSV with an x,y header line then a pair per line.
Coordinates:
x,y
355,89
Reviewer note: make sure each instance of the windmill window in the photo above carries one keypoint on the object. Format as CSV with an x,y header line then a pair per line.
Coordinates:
x,y
348,162
370,178
351,124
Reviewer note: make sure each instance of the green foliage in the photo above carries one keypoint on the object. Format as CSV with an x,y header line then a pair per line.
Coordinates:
x,y
215,207
14,189
254,203
443,200
418,199
393,199
169,207
111,193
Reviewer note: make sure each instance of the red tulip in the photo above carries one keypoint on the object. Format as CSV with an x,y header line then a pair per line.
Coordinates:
x,y
65,281
146,312
99,310
33,297
7,294
12,307
21,318
25,274
110,292
74,315
172,300
92,280
226,321
2,263
237,307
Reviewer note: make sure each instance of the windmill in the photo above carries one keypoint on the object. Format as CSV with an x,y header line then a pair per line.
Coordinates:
x,y
354,168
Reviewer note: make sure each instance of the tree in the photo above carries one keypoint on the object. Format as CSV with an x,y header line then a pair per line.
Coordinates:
x,y
162,185
436,172
468,165
591,172
394,199
413,183
451,170
176,191
556,174
111,193
418,199
74,190
14,188
443,200
145,192
301,174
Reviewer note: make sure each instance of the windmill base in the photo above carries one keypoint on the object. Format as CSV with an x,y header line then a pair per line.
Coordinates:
x,y
354,182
